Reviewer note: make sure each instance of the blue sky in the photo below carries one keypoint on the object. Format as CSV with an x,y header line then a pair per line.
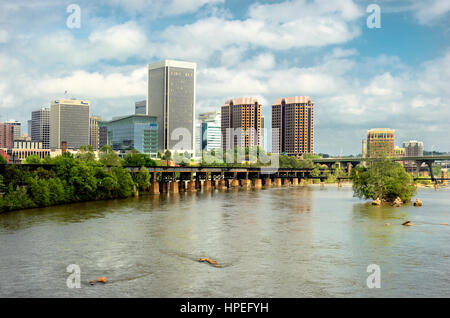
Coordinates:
x,y
396,76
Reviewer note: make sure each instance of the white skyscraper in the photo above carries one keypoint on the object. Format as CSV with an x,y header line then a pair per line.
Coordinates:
x,y
171,98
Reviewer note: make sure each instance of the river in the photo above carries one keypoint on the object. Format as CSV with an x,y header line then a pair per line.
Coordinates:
x,y
279,242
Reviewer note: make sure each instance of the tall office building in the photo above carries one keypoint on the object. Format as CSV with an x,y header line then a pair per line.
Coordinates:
x,y
138,132
29,124
380,142
243,114
413,148
171,98
16,127
210,132
140,108
94,134
69,122
40,126
293,126
6,135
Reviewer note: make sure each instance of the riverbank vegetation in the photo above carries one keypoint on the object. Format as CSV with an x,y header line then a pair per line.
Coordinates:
x,y
70,179
383,179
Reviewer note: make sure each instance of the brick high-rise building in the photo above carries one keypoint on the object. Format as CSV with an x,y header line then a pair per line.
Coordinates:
x,y
293,126
94,136
380,141
244,114
6,135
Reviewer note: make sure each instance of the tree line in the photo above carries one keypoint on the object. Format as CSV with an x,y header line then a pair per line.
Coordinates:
x,y
71,178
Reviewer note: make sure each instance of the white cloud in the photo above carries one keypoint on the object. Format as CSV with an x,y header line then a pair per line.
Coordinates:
x,y
4,36
157,8
94,85
430,11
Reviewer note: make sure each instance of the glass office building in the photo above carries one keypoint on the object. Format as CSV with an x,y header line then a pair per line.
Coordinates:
x,y
138,132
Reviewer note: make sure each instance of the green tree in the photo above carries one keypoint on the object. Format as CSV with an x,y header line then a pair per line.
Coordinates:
x,y
32,159
137,159
2,159
143,179
108,157
167,155
86,154
125,182
383,179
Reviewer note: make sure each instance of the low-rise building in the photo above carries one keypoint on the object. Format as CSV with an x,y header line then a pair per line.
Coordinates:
x,y
138,132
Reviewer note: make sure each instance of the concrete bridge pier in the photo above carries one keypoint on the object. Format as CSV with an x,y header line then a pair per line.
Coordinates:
x,y
191,186
258,183
154,187
295,181
182,186
268,182
234,183
222,185
163,187
286,182
444,175
349,168
246,184
174,187
277,182
302,182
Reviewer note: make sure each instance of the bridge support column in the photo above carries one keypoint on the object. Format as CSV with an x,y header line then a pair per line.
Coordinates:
x,y
277,182
182,186
246,183
349,168
206,185
222,184
268,182
174,187
258,183
444,175
310,181
163,187
295,182
234,183
190,187
286,182
154,187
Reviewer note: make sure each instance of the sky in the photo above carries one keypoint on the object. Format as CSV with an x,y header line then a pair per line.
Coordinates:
x,y
395,76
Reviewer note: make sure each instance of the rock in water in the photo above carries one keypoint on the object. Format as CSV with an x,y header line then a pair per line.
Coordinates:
x,y
418,202
397,202
102,279
376,202
211,261
407,223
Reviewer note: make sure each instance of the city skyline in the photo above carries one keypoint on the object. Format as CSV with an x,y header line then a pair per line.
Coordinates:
x,y
358,77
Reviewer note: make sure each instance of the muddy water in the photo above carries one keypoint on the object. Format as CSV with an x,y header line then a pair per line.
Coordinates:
x,y
285,242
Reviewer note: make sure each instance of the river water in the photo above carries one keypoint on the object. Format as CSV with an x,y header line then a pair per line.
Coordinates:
x,y
279,242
